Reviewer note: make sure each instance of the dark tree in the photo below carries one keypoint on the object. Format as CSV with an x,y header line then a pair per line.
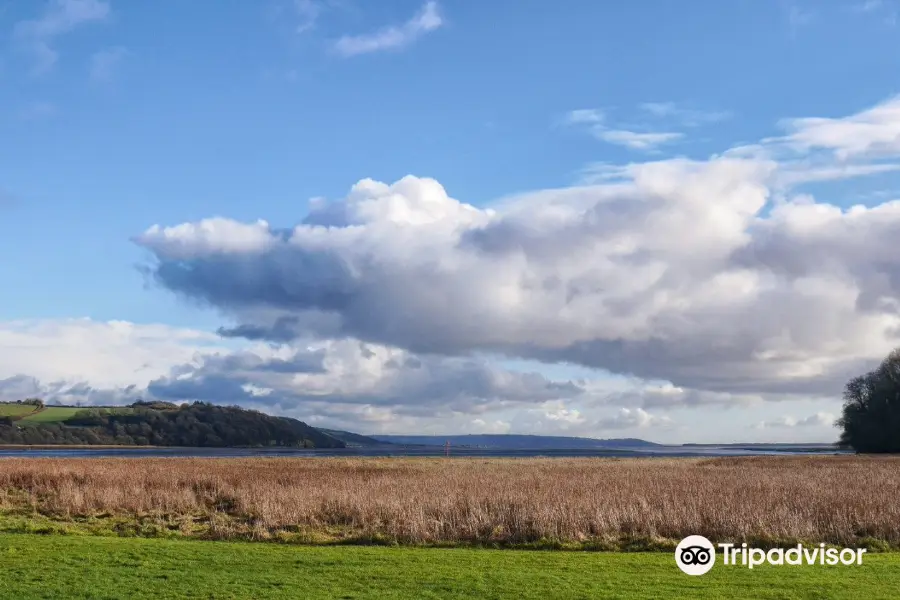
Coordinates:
x,y
870,421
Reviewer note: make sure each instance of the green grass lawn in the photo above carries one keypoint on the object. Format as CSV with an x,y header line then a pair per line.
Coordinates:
x,y
16,410
36,566
51,414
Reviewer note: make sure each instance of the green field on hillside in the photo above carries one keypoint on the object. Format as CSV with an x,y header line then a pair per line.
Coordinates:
x,y
16,410
51,414
40,566
29,414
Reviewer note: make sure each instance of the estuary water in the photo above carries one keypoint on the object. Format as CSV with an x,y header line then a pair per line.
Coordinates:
x,y
402,451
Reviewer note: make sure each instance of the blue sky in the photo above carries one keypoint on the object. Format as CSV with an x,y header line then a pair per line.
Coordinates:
x,y
119,116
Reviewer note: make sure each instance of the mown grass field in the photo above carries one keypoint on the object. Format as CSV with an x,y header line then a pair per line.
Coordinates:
x,y
587,503
134,568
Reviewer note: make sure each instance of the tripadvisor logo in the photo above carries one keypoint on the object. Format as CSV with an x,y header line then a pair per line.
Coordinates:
x,y
696,555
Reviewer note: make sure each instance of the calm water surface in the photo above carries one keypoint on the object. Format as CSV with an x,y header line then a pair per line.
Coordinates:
x,y
400,451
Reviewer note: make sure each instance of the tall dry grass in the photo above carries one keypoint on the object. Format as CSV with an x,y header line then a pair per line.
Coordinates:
x,y
841,500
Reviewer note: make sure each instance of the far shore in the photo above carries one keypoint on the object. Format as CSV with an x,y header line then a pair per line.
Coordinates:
x,y
84,447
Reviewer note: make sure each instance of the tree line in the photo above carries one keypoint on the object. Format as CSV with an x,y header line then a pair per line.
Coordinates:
x,y
162,424
870,419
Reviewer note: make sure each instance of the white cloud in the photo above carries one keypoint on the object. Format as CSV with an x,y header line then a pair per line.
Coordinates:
x,y
632,418
703,284
557,410
585,115
872,133
636,140
660,109
482,426
820,419
209,236
594,121
325,374
645,138
104,63
801,172
114,354
334,383
59,17
770,295
337,382
428,19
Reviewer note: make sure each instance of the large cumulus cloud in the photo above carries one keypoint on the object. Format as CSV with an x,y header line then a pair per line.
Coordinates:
x,y
713,274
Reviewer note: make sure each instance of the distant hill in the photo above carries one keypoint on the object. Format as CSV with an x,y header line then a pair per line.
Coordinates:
x,y
769,447
515,442
764,445
352,439
157,424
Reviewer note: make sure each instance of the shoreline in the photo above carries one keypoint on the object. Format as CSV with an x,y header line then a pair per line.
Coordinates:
x,y
96,446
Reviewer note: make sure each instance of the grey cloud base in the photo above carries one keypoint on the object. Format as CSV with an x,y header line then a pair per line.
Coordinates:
x,y
349,384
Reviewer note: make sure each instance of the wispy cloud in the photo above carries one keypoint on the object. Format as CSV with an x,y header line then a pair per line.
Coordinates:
x,y
685,116
886,10
585,115
36,36
105,63
602,172
426,20
869,5
307,13
799,17
872,133
637,140
595,121
800,172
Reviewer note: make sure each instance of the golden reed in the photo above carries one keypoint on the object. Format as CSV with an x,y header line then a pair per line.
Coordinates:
x,y
837,499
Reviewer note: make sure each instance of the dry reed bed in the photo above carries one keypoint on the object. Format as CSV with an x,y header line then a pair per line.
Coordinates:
x,y
841,500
